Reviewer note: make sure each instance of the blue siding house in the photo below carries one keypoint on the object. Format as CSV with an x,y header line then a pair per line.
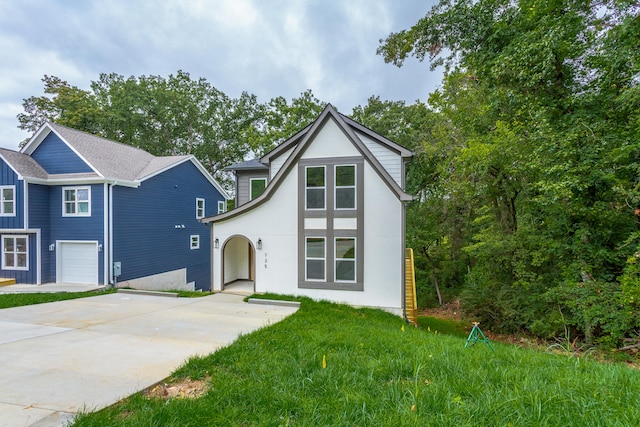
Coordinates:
x,y
77,208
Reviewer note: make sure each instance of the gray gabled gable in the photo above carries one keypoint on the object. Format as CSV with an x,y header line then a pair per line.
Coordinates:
x,y
299,143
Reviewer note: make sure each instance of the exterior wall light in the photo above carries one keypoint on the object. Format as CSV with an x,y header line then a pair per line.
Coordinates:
x,y
259,243
216,243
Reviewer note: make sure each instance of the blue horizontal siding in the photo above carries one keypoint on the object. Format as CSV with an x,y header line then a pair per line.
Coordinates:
x,y
76,228
146,240
56,157
40,217
9,177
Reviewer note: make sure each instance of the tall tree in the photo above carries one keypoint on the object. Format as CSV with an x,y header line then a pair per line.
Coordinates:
x,y
62,103
165,116
541,149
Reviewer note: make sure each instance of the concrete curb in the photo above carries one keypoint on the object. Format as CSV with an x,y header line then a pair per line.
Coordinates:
x,y
273,302
152,293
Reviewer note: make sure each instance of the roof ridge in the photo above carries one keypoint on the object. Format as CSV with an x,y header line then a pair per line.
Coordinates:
x,y
91,135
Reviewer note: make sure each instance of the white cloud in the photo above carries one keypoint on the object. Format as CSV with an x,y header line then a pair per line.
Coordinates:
x,y
10,135
268,48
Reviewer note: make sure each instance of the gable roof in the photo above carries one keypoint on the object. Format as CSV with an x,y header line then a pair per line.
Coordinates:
x,y
253,164
299,143
109,159
22,164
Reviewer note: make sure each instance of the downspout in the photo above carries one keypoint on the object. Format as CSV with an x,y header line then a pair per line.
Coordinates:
x,y
110,232
105,234
405,162
25,210
404,262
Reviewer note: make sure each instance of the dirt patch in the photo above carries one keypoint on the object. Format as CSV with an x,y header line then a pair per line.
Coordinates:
x,y
453,311
448,311
185,388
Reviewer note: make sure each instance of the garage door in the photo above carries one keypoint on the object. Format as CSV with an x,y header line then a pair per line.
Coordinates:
x,y
77,262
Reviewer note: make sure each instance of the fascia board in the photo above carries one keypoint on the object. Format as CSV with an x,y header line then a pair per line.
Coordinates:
x,y
282,148
36,139
82,181
402,151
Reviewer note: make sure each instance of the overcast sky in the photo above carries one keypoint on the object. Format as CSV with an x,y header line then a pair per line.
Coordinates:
x,y
268,48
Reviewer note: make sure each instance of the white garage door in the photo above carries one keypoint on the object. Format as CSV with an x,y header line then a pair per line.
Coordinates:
x,y
77,262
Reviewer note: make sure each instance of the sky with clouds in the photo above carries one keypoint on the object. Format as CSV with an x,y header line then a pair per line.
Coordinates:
x,y
268,48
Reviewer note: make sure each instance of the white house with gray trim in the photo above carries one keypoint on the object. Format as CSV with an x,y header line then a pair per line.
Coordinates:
x,y
322,215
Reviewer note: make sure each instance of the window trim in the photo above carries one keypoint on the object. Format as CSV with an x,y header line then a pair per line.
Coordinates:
x,y
354,260
307,258
222,205
323,188
329,230
26,252
13,200
194,241
251,181
75,202
354,187
199,214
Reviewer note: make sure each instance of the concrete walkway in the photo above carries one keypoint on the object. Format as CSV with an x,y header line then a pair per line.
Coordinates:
x,y
49,287
81,355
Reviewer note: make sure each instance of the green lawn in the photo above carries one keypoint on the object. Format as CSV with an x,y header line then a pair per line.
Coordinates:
x,y
17,300
376,374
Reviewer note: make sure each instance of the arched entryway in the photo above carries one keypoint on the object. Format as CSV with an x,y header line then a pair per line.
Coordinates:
x,y
238,264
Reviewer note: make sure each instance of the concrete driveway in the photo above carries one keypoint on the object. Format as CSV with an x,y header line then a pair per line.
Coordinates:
x,y
60,358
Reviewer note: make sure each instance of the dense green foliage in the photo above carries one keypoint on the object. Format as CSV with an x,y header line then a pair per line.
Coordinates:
x,y
531,209
376,374
172,116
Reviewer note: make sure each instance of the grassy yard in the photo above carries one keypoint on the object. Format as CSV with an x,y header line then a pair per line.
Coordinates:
x,y
331,365
17,300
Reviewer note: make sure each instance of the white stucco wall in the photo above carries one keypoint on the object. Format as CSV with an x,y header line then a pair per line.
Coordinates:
x,y
276,224
330,142
383,252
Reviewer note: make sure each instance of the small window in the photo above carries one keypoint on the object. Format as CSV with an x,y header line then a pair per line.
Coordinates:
x,y
221,206
257,186
15,253
8,205
345,187
199,208
345,259
315,186
194,240
315,258
76,201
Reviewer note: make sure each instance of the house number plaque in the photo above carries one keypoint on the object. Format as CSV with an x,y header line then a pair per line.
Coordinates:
x,y
265,260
